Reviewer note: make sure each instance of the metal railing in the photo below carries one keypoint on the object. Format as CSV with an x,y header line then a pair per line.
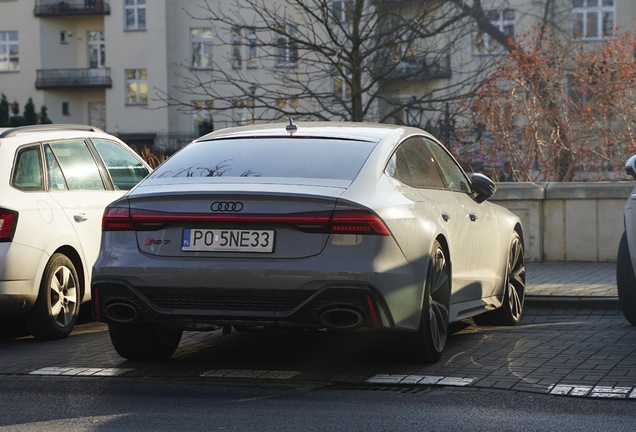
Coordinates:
x,y
45,8
415,67
77,78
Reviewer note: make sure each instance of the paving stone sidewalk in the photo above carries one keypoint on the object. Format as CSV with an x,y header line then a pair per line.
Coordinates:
x,y
571,279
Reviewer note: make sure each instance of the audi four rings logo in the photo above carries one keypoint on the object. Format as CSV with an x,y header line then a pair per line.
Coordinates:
x,y
226,206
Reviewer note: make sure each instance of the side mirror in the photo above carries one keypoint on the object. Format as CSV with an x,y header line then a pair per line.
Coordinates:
x,y
482,186
630,166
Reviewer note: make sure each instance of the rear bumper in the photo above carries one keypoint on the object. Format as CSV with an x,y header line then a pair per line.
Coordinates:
x,y
336,306
15,296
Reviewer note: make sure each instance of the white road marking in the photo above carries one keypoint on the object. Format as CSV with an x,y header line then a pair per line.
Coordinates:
x,y
80,371
419,380
593,391
260,374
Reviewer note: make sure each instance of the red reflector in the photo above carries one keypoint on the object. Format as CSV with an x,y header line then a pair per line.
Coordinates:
x,y
97,313
375,319
117,219
7,224
358,222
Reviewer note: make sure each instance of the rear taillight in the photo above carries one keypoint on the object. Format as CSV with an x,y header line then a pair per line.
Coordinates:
x,y
338,222
357,222
8,222
117,219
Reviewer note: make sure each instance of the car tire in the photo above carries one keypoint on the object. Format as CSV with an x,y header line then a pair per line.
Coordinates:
x,y
626,281
427,344
144,341
511,310
56,309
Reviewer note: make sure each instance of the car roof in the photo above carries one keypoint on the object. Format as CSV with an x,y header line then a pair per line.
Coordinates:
x,y
26,134
363,131
14,131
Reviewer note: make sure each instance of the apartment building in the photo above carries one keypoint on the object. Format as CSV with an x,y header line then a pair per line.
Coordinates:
x,y
116,64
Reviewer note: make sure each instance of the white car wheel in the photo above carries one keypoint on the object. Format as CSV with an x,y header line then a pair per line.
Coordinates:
x,y
56,310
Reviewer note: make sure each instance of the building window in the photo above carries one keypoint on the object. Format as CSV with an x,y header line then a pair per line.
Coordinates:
x,y
201,45
286,48
504,20
243,113
251,48
404,48
9,59
96,49
341,88
237,43
593,19
287,107
135,13
66,108
341,11
202,117
136,87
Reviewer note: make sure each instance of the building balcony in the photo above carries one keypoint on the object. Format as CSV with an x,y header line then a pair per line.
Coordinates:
x,y
415,67
51,8
73,79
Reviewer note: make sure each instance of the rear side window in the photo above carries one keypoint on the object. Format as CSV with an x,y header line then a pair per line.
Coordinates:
x,y
413,165
124,168
27,174
269,157
78,166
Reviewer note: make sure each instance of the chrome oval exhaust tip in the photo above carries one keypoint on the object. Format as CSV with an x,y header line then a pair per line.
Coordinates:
x,y
120,312
341,318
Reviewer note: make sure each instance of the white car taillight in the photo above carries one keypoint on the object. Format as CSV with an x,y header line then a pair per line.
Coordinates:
x,y
8,221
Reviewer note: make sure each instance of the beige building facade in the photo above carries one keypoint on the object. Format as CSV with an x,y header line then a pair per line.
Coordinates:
x,y
114,63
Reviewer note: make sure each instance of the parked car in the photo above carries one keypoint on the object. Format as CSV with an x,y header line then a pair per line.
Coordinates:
x,y
56,181
625,257
342,226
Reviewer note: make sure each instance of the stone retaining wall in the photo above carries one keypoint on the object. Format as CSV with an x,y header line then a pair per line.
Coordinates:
x,y
577,221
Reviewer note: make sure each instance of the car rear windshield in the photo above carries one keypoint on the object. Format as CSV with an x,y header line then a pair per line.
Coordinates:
x,y
287,157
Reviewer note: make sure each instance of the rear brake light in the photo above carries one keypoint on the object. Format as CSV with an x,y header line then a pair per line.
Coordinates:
x,y
117,219
338,222
357,222
8,222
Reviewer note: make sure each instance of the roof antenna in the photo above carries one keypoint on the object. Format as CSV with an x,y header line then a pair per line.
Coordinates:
x,y
291,127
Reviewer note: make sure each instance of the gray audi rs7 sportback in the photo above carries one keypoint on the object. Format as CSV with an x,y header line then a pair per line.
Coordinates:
x,y
343,226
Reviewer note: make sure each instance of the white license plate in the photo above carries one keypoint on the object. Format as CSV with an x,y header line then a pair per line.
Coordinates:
x,y
227,240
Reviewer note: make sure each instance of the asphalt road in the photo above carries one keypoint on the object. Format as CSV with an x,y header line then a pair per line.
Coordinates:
x,y
33,404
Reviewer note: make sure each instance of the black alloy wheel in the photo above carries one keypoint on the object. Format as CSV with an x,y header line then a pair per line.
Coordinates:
x,y
511,311
626,281
428,343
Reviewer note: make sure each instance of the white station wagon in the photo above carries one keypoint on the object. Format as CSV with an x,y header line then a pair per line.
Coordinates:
x,y
55,181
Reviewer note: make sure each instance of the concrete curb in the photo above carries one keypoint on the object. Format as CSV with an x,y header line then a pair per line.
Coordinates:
x,y
588,302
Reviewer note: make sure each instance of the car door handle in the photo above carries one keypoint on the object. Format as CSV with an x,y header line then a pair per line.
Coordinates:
x,y
80,217
446,216
473,216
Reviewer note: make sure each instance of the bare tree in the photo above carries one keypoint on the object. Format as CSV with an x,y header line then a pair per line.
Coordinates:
x,y
350,60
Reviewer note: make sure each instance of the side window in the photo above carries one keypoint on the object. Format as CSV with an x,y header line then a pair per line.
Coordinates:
x,y
413,165
77,164
124,168
453,174
56,177
27,174
398,169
